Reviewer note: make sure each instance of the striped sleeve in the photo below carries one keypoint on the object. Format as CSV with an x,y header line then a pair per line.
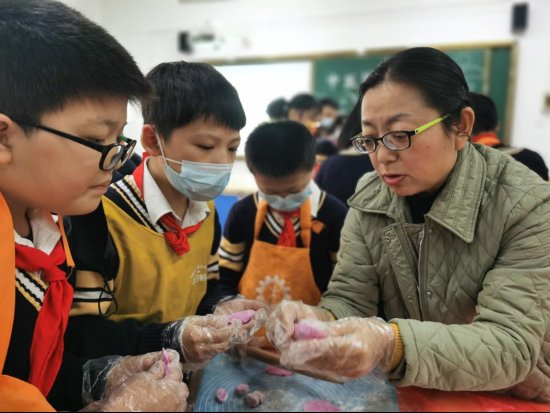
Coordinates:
x,y
232,255
92,294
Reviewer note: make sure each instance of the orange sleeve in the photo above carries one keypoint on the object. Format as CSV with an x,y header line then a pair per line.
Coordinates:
x,y
15,395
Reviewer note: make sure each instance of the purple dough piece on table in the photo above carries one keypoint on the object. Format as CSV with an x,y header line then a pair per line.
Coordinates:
x,y
221,395
242,389
305,331
277,371
254,399
244,316
320,406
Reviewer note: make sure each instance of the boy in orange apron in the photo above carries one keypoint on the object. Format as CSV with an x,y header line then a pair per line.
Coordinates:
x,y
62,110
281,243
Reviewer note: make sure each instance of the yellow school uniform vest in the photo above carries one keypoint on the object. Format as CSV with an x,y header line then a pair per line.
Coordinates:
x,y
153,284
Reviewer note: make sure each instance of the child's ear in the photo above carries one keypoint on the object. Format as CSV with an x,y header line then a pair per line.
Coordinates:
x,y
7,133
149,140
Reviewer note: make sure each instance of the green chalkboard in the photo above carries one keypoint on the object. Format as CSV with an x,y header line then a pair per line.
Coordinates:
x,y
487,71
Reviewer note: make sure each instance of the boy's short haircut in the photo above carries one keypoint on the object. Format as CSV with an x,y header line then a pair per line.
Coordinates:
x,y
280,149
51,55
486,113
329,102
185,92
303,101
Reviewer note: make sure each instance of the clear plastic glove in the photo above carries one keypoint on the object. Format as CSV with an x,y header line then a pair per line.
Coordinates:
x,y
239,305
353,347
280,323
102,375
201,338
156,390
129,366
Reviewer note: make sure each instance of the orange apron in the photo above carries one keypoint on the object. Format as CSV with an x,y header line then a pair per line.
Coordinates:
x,y
276,273
15,395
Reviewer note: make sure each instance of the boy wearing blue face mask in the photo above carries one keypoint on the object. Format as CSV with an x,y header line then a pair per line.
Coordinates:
x,y
163,225
162,218
281,242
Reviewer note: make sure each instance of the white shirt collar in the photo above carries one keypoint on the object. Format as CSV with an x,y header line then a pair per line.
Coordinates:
x,y
314,198
158,206
45,232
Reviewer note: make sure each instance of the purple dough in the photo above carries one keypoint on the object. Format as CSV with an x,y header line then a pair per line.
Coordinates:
x,y
165,361
242,389
221,395
277,371
305,331
254,399
320,406
244,316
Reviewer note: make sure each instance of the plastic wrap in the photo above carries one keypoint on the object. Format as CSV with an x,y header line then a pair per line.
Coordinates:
x,y
152,382
351,347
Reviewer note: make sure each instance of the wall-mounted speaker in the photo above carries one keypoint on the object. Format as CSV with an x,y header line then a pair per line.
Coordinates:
x,y
520,17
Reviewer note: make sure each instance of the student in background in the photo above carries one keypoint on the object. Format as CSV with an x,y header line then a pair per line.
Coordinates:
x,y
281,242
65,88
304,108
329,111
277,110
485,131
339,174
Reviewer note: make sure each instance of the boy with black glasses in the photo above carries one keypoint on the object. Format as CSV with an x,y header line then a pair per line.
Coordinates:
x,y
65,88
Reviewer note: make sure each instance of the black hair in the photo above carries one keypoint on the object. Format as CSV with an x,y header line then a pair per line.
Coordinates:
x,y
351,128
277,109
280,149
186,92
433,73
326,148
303,101
50,54
329,102
486,113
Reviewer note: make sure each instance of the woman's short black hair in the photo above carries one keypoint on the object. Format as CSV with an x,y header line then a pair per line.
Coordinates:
x,y
185,92
280,149
433,73
50,54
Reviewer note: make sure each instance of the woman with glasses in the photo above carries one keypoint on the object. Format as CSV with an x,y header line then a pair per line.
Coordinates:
x,y
443,276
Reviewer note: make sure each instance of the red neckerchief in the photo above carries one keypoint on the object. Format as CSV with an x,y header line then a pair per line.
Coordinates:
x,y
288,235
176,236
47,342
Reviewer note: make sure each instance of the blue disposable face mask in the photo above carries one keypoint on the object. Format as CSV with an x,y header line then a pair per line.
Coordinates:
x,y
198,181
289,203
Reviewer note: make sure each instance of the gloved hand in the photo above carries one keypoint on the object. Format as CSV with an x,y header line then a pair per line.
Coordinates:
x,y
240,304
353,347
141,383
128,366
280,323
153,390
201,338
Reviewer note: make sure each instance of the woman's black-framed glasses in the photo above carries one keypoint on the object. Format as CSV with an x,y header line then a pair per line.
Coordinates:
x,y
394,141
113,156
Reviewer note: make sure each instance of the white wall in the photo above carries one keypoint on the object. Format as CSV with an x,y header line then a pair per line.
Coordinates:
x,y
291,27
